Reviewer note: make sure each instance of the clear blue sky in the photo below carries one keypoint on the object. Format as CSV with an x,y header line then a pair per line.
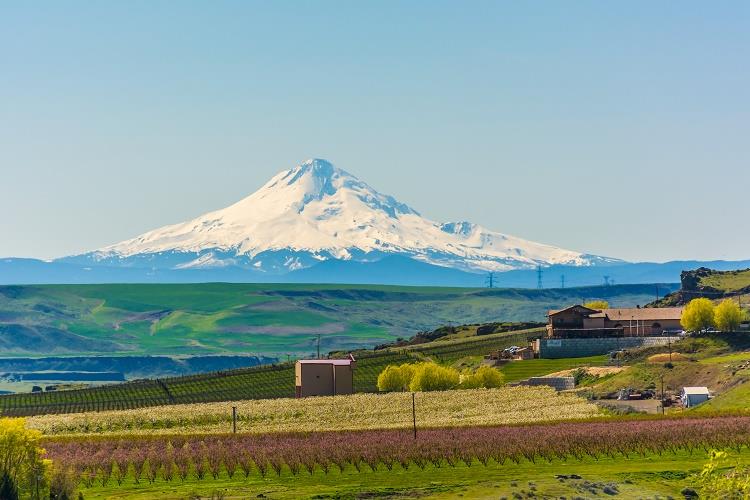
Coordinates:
x,y
617,129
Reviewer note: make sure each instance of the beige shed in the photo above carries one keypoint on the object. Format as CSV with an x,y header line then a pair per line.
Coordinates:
x,y
324,377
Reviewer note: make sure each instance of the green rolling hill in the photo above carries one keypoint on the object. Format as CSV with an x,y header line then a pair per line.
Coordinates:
x,y
260,319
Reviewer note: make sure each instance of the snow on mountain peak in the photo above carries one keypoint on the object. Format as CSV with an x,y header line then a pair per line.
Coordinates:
x,y
316,211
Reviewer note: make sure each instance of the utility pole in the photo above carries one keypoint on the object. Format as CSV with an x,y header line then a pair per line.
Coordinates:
x,y
234,420
562,281
318,346
539,276
662,394
657,293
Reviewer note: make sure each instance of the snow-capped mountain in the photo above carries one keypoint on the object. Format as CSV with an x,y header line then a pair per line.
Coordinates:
x,y
317,212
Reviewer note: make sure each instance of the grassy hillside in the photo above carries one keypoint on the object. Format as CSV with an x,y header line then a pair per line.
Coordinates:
x,y
264,319
727,281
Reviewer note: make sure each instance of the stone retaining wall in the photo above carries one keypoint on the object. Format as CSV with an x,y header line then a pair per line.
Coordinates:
x,y
578,348
557,383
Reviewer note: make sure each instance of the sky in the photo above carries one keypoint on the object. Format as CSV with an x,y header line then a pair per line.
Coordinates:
x,y
618,129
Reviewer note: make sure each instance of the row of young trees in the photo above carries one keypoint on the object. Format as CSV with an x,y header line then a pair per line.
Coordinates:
x,y
428,376
172,458
701,314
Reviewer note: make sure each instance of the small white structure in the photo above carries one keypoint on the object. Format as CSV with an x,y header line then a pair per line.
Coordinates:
x,y
692,396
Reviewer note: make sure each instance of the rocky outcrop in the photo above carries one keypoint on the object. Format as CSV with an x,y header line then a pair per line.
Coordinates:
x,y
693,285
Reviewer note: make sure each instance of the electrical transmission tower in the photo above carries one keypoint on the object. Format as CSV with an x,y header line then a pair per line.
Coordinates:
x,y
606,281
562,281
490,280
539,276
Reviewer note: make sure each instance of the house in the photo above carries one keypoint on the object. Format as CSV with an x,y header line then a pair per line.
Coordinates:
x,y
324,377
692,396
578,321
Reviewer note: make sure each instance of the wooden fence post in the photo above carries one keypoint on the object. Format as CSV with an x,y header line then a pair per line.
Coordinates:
x,y
414,414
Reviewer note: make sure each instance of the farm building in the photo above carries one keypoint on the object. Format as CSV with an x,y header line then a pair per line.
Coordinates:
x,y
692,396
324,377
581,322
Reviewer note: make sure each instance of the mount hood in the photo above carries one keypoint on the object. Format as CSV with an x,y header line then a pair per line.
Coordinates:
x,y
317,212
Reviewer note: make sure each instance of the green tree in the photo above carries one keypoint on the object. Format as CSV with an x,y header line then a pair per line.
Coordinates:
x,y
698,315
484,377
395,378
433,377
597,304
21,463
728,316
390,379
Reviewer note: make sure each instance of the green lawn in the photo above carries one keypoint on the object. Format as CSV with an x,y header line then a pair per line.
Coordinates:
x,y
520,370
636,477
449,351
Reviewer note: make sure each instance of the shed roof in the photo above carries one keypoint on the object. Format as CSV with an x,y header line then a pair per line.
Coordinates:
x,y
338,362
695,390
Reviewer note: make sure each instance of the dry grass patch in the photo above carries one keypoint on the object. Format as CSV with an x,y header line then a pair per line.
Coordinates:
x,y
596,371
665,358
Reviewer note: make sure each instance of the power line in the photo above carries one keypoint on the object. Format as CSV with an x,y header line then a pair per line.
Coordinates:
x,y
539,276
490,280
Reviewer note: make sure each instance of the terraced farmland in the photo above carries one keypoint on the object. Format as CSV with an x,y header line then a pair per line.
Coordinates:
x,y
276,381
265,382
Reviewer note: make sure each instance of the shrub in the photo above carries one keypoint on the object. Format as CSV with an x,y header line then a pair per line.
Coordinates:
x,y
484,377
698,315
728,316
716,483
433,377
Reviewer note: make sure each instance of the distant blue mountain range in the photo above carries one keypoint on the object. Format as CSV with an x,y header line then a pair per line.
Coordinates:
x,y
392,270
